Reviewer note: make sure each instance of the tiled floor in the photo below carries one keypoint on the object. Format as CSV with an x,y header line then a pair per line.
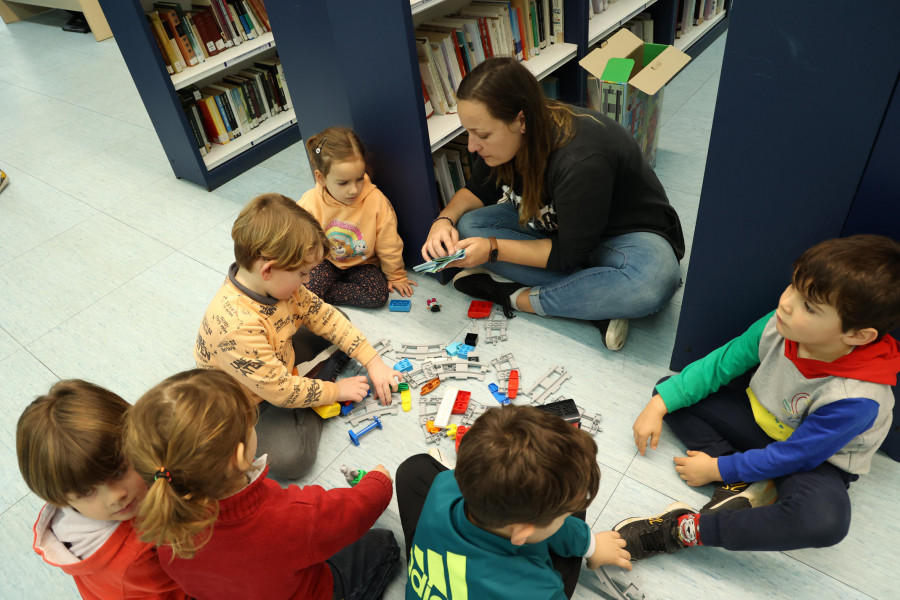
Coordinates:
x,y
107,263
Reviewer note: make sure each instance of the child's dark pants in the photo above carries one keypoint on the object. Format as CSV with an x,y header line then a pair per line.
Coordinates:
x,y
813,507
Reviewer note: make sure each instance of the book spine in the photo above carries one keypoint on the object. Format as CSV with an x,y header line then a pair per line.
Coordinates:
x,y
169,16
159,45
167,37
212,120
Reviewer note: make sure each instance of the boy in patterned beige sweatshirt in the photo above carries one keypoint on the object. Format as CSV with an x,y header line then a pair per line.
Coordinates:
x,y
263,322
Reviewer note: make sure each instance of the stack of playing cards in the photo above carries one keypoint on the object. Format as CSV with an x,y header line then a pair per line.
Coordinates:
x,y
433,266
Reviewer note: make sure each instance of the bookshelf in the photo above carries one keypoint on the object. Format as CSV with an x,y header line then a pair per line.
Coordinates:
x,y
11,12
158,92
603,24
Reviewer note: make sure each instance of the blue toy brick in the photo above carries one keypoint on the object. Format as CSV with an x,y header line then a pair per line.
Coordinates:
x,y
453,348
495,390
403,366
400,305
463,350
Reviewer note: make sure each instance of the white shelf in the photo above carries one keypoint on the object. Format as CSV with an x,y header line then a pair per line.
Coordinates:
x,y
599,26
697,31
218,154
443,128
228,58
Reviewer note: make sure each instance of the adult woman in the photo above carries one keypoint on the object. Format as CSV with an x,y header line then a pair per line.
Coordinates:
x,y
561,206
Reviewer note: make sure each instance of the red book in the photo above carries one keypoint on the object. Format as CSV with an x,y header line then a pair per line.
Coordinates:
x,y
210,36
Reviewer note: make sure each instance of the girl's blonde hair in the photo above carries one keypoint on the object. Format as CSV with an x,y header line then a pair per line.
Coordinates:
x,y
506,88
334,145
181,437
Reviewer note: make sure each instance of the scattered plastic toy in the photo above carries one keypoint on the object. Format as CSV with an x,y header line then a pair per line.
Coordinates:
x,y
403,366
433,305
328,411
461,404
347,407
472,339
463,350
451,430
353,476
376,422
480,309
501,398
400,305
512,388
460,432
430,385
405,396
453,349
431,427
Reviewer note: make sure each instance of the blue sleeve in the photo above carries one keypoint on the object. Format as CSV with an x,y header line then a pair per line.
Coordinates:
x,y
819,437
706,375
572,539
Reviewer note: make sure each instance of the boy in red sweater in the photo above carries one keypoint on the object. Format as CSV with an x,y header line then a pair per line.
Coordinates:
x,y
68,445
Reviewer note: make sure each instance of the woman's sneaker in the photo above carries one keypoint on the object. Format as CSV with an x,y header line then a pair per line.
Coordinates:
x,y
613,332
481,283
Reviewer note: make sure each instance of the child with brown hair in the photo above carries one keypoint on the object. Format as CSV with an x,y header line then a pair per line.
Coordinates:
x,y
816,410
501,525
69,451
263,323
224,529
365,262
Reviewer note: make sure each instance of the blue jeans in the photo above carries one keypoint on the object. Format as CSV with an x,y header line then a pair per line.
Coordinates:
x,y
629,275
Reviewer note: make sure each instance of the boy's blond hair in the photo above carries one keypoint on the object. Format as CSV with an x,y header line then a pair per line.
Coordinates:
x,y
188,426
858,275
518,464
274,227
69,440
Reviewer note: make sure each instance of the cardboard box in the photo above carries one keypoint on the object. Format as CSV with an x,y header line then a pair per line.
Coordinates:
x,y
631,76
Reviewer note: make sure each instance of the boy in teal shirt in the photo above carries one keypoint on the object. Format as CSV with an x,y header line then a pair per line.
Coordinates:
x,y
817,408
501,524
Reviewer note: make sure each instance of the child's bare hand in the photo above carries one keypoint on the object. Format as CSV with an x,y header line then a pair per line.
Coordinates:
x,y
404,287
384,379
697,468
610,550
352,389
648,425
383,471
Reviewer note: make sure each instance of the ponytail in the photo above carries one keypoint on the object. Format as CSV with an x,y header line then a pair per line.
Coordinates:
x,y
181,437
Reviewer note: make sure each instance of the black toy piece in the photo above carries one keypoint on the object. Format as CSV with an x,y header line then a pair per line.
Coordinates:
x,y
472,339
564,409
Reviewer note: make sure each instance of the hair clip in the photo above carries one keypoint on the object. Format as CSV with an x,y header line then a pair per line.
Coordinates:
x,y
319,146
161,472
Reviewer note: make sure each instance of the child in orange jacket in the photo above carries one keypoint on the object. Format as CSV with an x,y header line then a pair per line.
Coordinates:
x,y
366,259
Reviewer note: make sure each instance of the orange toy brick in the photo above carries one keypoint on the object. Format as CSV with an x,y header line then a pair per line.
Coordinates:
x,y
460,432
512,389
429,385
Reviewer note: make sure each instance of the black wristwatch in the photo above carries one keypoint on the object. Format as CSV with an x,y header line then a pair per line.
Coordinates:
x,y
492,257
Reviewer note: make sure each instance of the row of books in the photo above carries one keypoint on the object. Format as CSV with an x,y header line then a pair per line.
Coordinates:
x,y
449,47
189,37
694,12
452,167
222,111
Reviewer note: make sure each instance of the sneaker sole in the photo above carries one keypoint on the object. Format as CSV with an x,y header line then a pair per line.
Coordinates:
x,y
760,493
616,334
669,508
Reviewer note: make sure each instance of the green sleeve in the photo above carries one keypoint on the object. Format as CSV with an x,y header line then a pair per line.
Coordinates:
x,y
706,375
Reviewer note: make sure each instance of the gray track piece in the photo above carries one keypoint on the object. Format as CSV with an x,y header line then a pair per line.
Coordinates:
x,y
618,584
382,346
495,331
420,351
548,384
473,412
356,419
503,364
417,377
